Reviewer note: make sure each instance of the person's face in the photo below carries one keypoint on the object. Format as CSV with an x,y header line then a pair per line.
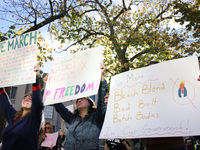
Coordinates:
x,y
61,133
82,103
182,85
27,102
47,128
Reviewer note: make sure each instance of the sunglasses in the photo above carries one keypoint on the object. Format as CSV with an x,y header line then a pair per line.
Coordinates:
x,y
47,128
27,96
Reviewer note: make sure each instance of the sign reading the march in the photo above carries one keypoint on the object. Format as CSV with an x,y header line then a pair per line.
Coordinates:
x,y
17,60
73,76
161,100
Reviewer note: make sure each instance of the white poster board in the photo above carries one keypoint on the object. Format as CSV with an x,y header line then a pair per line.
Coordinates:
x,y
73,76
17,60
148,102
70,107
51,139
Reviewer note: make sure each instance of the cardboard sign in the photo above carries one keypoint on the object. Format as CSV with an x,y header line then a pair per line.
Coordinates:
x,y
17,60
51,139
161,100
74,76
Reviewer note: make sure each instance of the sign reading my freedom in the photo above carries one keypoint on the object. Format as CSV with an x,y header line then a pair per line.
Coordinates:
x,y
73,76
17,60
160,100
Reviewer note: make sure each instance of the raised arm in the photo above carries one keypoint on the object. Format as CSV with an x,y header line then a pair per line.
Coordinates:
x,y
37,104
6,106
63,128
64,112
101,107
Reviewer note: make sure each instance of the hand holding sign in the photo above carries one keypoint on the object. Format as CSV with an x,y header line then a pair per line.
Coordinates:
x,y
106,99
45,78
103,68
37,69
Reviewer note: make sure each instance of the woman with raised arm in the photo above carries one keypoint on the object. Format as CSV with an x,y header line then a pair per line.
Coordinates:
x,y
86,121
23,126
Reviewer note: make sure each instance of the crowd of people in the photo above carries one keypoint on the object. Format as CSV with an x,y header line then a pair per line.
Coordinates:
x,y
25,130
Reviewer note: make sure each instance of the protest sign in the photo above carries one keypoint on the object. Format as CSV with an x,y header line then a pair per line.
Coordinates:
x,y
51,139
17,60
73,76
161,100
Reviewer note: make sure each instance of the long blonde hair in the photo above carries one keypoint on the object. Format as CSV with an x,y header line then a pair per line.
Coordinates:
x,y
51,127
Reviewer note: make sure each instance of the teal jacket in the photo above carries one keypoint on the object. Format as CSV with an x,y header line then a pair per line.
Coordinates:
x,y
85,135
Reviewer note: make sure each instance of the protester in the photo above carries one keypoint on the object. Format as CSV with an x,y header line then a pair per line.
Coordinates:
x,y
117,144
47,129
86,121
63,128
23,126
41,132
60,140
197,145
190,142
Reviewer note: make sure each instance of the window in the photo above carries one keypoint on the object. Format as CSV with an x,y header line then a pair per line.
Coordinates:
x,y
48,112
13,92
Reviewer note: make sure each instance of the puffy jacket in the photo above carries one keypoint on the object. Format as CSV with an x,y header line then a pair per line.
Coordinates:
x,y
86,134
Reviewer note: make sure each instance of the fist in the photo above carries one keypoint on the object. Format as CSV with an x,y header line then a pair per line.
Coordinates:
x,y
45,78
36,69
102,67
106,99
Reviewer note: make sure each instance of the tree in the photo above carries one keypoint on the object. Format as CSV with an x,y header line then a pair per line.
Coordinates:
x,y
132,33
190,14
34,14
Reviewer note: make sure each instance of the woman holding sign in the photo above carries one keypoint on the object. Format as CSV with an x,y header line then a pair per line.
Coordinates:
x,y
86,121
24,125
49,130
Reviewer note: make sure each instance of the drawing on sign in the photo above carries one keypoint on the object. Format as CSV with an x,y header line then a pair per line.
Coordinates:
x,y
182,91
181,94
84,66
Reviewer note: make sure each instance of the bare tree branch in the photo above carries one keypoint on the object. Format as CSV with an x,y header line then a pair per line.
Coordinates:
x,y
51,7
138,54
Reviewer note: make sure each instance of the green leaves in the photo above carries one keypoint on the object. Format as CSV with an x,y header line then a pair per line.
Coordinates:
x,y
131,38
